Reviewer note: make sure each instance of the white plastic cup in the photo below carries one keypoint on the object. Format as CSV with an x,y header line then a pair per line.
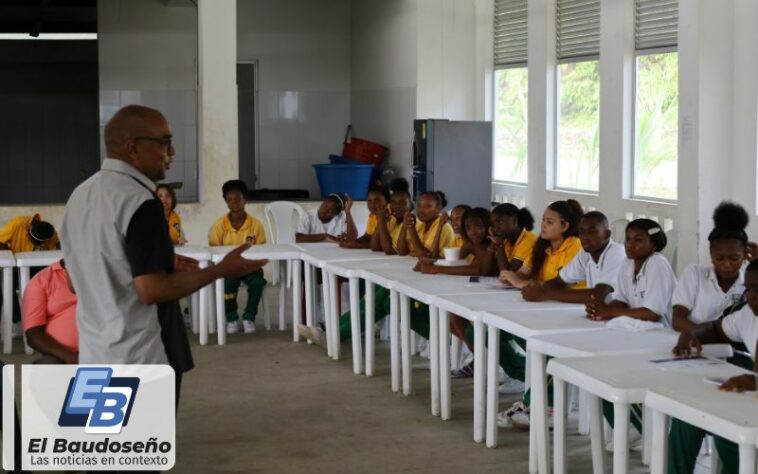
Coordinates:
x,y
452,254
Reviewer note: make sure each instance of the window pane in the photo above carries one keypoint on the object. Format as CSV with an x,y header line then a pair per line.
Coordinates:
x,y
656,126
578,126
510,125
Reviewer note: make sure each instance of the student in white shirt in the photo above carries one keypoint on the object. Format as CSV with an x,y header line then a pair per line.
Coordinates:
x,y
328,222
703,293
645,281
598,264
741,326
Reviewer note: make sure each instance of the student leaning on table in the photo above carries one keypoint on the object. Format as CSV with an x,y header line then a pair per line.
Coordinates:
x,y
328,222
456,222
237,227
376,201
741,326
511,236
479,256
390,223
167,196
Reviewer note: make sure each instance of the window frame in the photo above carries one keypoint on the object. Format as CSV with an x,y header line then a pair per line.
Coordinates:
x,y
634,152
503,67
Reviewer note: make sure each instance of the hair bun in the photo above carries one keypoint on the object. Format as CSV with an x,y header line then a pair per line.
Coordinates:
x,y
729,215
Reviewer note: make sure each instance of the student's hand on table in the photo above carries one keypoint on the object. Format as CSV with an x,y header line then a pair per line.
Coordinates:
x,y
348,244
427,267
234,265
511,278
185,264
685,345
331,238
409,220
533,292
752,251
740,383
597,310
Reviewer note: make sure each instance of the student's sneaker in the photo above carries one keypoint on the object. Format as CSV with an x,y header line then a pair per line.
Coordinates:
x,y
315,334
520,416
467,371
505,418
248,326
511,387
634,441
232,327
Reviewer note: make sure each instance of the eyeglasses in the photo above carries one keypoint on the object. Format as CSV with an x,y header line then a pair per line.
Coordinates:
x,y
164,142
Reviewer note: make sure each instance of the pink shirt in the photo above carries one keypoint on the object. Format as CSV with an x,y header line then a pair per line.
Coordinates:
x,y
48,302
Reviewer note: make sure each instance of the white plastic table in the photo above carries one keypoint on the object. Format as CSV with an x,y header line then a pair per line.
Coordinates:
x,y
733,416
281,252
578,344
7,263
200,300
623,380
354,270
24,262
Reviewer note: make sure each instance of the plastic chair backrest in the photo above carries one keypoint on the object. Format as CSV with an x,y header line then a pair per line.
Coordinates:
x,y
618,230
669,252
281,221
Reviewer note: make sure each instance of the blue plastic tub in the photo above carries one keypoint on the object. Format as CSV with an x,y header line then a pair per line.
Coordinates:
x,y
353,179
342,160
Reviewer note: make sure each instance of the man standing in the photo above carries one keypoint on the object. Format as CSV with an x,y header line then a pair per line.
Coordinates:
x,y
119,256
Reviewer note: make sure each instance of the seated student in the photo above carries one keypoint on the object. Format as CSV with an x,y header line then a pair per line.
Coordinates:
x,y
376,201
741,327
511,236
555,248
327,223
49,316
456,222
477,251
389,224
703,293
598,264
27,234
645,281
426,233
237,227
167,196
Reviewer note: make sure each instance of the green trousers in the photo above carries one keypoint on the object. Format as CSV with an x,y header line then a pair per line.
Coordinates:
x,y
255,283
685,441
419,314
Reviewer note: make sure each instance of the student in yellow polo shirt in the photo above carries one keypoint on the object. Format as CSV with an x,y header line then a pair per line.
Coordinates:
x,y
235,228
511,236
376,201
28,234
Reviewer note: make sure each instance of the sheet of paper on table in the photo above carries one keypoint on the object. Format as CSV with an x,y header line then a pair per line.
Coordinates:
x,y
686,362
491,283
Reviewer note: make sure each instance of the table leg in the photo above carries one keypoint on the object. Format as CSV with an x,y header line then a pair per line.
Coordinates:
x,y
434,357
395,340
747,459
659,454
332,313
444,369
405,343
202,310
282,294
479,381
559,430
7,310
297,290
308,295
355,325
538,411
370,322
325,290
220,316
620,438
596,434
647,440
493,396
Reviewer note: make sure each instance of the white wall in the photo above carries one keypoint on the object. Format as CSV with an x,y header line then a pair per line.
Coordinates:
x,y
303,53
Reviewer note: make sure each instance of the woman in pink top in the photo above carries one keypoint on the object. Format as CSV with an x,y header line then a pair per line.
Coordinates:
x,y
49,315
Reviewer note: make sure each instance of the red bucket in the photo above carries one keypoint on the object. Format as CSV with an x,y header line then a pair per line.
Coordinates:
x,y
361,150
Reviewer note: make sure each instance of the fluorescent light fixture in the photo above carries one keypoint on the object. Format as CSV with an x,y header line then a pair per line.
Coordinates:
x,y
49,36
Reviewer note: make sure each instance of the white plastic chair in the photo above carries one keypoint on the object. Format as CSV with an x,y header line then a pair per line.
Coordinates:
x,y
672,238
281,222
618,230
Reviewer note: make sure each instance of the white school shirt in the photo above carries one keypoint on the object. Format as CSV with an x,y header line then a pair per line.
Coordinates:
x,y
310,224
604,271
742,326
651,289
698,290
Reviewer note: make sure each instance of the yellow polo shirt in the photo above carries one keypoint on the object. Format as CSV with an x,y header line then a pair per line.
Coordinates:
x,y
371,224
174,226
15,234
447,237
523,247
558,259
394,226
222,232
457,241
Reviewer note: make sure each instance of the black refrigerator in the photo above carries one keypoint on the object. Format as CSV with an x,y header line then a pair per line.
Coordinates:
x,y
454,157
